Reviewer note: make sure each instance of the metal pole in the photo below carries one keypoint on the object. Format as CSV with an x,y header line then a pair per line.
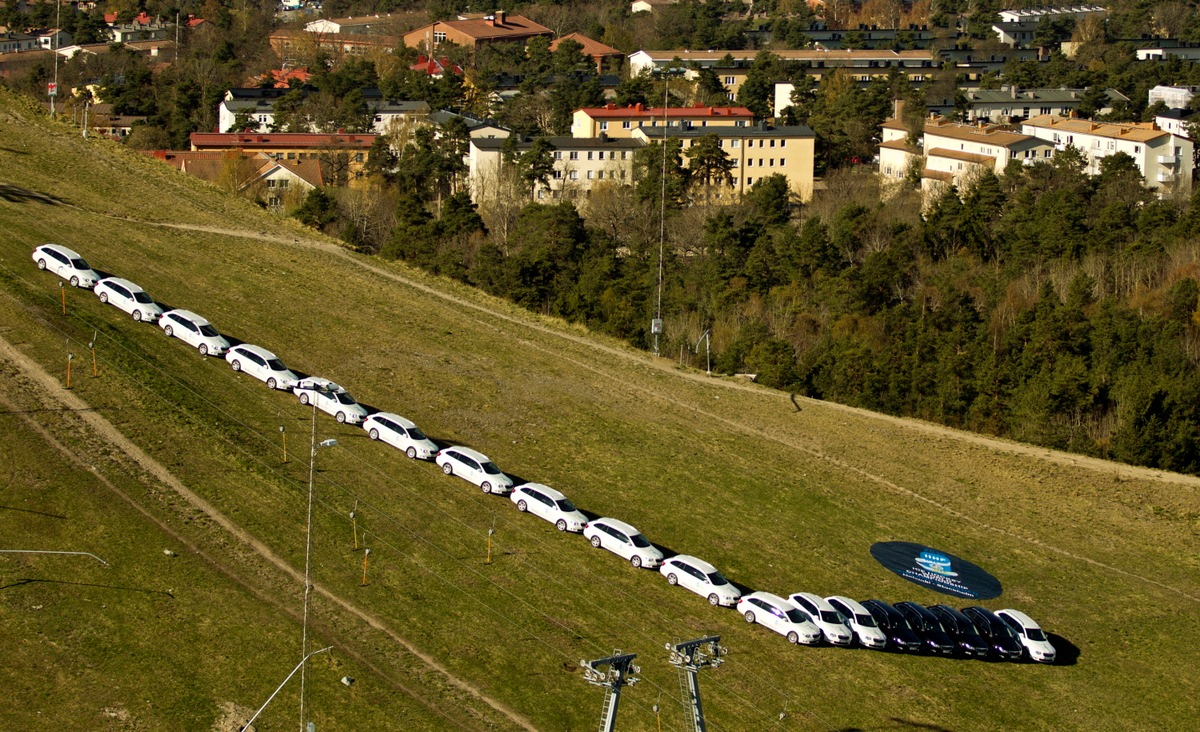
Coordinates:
x,y
312,459
54,47
662,221
616,676
689,657
280,687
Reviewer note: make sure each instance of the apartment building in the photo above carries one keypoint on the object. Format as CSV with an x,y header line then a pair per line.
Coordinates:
x,y
756,151
580,164
475,30
1165,160
617,121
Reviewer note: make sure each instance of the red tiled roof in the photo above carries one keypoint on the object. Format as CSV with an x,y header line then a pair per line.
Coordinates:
x,y
590,47
279,140
638,110
436,66
514,26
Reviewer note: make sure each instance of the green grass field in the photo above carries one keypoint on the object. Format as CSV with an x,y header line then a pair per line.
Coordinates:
x,y
781,496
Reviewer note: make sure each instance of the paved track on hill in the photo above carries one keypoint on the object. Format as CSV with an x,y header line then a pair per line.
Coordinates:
x,y
49,386
668,367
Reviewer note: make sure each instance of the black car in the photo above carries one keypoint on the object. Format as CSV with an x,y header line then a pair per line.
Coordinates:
x,y
1002,639
961,630
891,622
927,626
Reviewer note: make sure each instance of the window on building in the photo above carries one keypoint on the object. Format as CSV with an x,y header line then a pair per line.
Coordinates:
x,y
760,162
622,172
379,118
590,154
291,156
558,175
558,154
439,36
733,181
749,181
358,157
626,124
729,81
783,143
283,184
740,123
270,183
781,163
589,175
599,175
772,143
604,127
735,143
574,175
573,155
749,162
1137,148
624,153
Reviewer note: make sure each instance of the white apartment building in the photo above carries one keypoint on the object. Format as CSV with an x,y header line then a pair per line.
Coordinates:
x,y
952,153
260,112
1018,15
1165,160
580,165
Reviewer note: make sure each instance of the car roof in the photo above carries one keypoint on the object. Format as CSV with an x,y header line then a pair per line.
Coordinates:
x,y
318,382
815,599
197,319
881,606
854,605
545,489
123,282
404,422
256,350
62,250
774,599
468,452
953,611
696,562
617,524
916,607
1020,617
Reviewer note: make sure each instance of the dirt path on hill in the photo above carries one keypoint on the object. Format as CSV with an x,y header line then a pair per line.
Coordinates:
x,y
664,365
50,386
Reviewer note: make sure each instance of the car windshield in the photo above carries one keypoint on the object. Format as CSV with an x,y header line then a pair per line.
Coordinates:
x,y
933,626
276,365
831,616
79,263
797,616
490,468
416,434
142,296
1035,634
344,398
716,579
865,620
639,541
209,331
565,505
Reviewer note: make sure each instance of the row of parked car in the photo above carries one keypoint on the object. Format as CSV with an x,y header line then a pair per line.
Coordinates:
x,y
802,618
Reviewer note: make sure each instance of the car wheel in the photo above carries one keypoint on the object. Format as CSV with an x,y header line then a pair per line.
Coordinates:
x,y
411,452
636,561
74,281
169,331
672,579
485,486
236,365
447,468
104,297
137,316
374,433
793,637
714,600
272,383
203,349
340,417
595,541
561,525
304,398
522,506
41,264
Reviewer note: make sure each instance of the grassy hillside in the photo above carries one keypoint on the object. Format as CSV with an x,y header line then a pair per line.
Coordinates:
x,y
783,495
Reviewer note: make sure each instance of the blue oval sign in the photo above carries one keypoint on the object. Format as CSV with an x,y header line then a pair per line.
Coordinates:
x,y
937,570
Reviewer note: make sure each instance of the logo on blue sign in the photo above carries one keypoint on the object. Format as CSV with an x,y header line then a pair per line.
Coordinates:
x,y
935,562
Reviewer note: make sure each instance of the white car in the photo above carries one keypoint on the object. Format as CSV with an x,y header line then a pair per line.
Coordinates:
x,y
474,467
125,295
400,433
700,577
262,365
194,331
832,624
623,540
545,502
329,398
781,616
866,630
65,263
1033,638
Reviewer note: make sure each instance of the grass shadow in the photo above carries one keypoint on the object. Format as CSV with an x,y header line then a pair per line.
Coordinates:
x,y
17,194
30,510
29,580
1066,653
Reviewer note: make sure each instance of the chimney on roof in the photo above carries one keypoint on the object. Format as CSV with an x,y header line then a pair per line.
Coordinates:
x,y
897,108
501,16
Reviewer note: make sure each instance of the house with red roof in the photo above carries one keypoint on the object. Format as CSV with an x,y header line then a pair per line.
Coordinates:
x,y
475,30
615,121
342,155
597,51
435,67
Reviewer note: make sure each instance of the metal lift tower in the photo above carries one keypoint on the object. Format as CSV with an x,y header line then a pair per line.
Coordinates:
x,y
689,657
618,674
